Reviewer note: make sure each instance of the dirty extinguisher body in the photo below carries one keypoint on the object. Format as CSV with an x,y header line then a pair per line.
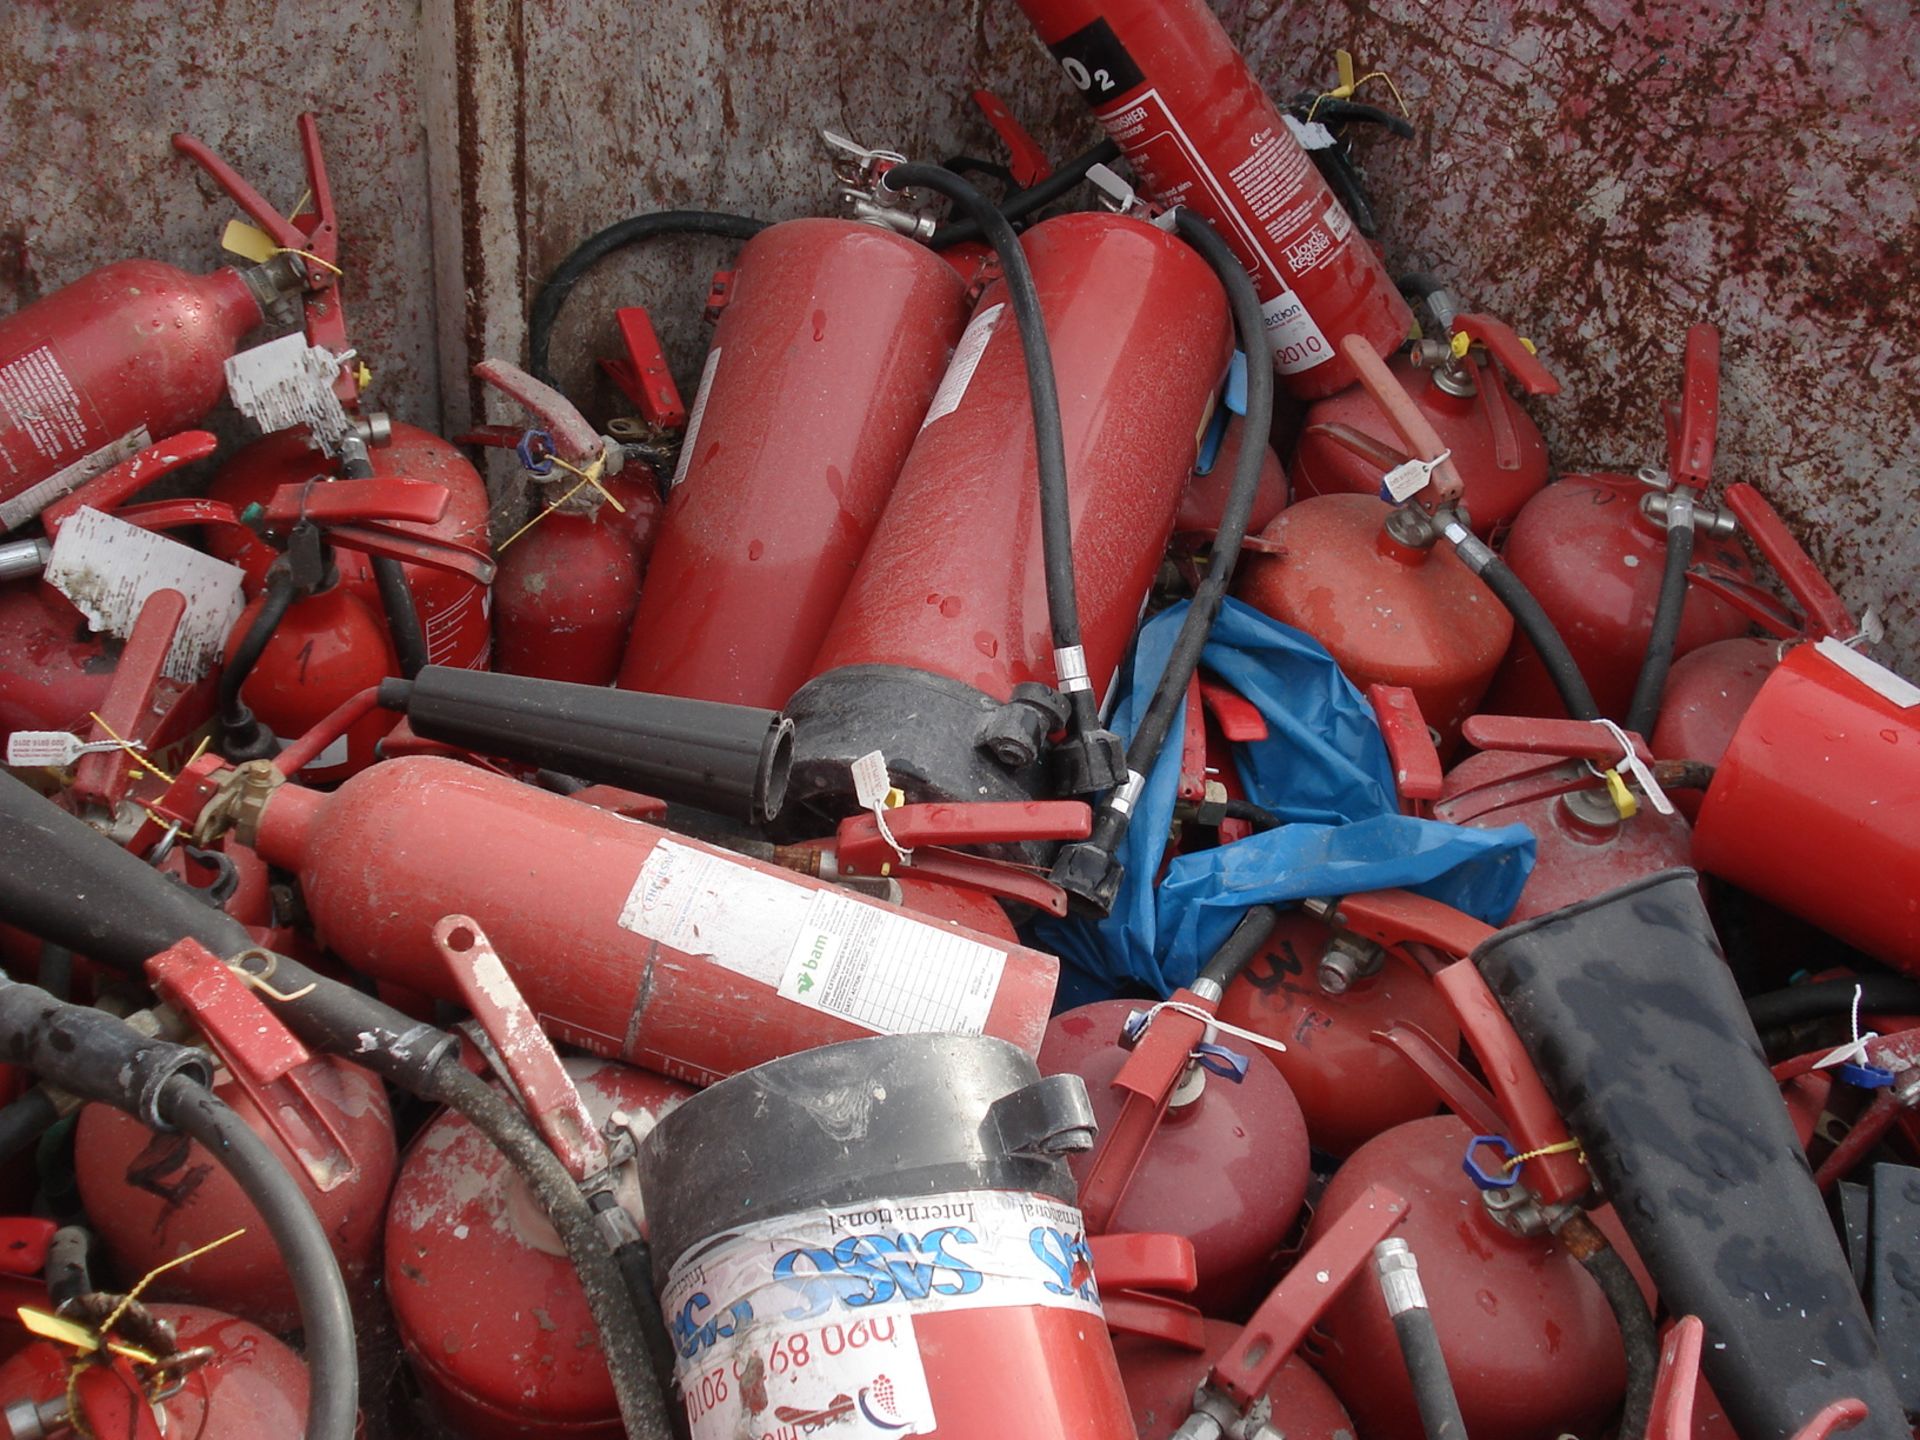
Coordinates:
x,y
496,1326
1593,560
1350,1087
566,589
1389,613
152,1198
1530,1344
832,341
1583,846
250,1387
129,354
770,1230
1207,491
453,608
600,919
947,613
1227,1167
1494,444
1197,127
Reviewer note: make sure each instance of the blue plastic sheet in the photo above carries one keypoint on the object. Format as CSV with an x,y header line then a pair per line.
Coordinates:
x,y
1323,768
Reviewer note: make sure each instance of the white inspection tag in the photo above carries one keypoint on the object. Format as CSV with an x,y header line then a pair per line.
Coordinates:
x,y
855,958
966,360
108,568
872,787
287,382
55,747
1311,134
1641,771
30,502
1870,673
1409,478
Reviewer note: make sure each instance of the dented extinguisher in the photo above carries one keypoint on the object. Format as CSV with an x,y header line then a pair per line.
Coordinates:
x,y
569,579
1459,381
1169,86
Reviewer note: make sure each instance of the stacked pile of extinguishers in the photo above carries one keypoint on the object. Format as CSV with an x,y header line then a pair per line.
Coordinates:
x,y
679,946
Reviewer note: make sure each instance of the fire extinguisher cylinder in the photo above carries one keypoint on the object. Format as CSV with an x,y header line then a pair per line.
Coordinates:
x,y
731,760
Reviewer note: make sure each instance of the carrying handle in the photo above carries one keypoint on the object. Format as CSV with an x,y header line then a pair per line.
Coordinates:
x,y
113,486
1409,422
1693,422
1826,613
1513,353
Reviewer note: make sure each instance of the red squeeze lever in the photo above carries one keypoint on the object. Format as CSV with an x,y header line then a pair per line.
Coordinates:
x,y
1567,739
1416,763
111,487
928,830
1826,613
1510,350
643,377
419,502
1692,425
1126,1265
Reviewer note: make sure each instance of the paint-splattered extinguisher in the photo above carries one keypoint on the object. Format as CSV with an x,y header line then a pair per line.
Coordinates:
x,y
1169,86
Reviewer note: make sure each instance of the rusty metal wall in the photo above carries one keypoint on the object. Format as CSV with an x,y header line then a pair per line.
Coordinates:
x,y
1603,173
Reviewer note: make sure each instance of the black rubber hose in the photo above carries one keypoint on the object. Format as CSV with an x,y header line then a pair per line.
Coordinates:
x,y
234,715
66,882
1637,1333
1354,112
23,1122
1257,816
602,243
1050,448
1528,614
1824,999
326,1318
1651,683
1419,284
1239,949
1023,203
1433,1392
403,616
1170,692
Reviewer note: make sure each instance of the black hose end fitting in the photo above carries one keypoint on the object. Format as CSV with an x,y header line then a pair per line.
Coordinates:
x,y
92,1054
1089,761
244,738
1091,876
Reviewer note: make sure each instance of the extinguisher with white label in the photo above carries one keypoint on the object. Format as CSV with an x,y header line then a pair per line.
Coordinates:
x,y
882,1235
1179,99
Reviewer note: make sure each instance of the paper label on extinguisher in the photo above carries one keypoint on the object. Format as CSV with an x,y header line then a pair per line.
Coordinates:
x,y
694,417
808,1320
966,360
836,953
30,502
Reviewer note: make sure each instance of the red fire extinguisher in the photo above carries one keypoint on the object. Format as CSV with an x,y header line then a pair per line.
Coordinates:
x,y
55,669
631,942
1460,382
832,337
986,1322
155,1198
1596,824
1185,109
941,654
1709,689
1593,549
1232,1119
568,579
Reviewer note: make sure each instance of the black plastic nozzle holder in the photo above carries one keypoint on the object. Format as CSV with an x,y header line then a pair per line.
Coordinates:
x,y
731,760
92,1054
1640,1035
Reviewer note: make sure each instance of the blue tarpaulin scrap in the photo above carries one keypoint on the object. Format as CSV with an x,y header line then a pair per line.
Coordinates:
x,y
1323,769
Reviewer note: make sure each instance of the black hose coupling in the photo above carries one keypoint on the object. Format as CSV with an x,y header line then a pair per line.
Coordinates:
x,y
92,1054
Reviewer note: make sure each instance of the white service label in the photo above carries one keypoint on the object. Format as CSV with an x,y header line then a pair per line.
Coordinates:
x,y
108,568
1871,673
43,747
966,360
695,416
830,951
789,1325
1298,342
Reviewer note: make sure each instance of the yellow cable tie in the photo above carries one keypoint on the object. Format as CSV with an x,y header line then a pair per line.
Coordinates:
x,y
130,748
592,477
308,255
1346,89
161,1269
1560,1149
541,516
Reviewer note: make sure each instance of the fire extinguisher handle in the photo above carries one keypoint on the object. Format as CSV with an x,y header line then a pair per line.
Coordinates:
x,y
1409,422
127,711
1410,748
321,241
1144,1262
385,497
1826,613
113,486
1693,423
1568,739
375,539
1513,353
573,438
